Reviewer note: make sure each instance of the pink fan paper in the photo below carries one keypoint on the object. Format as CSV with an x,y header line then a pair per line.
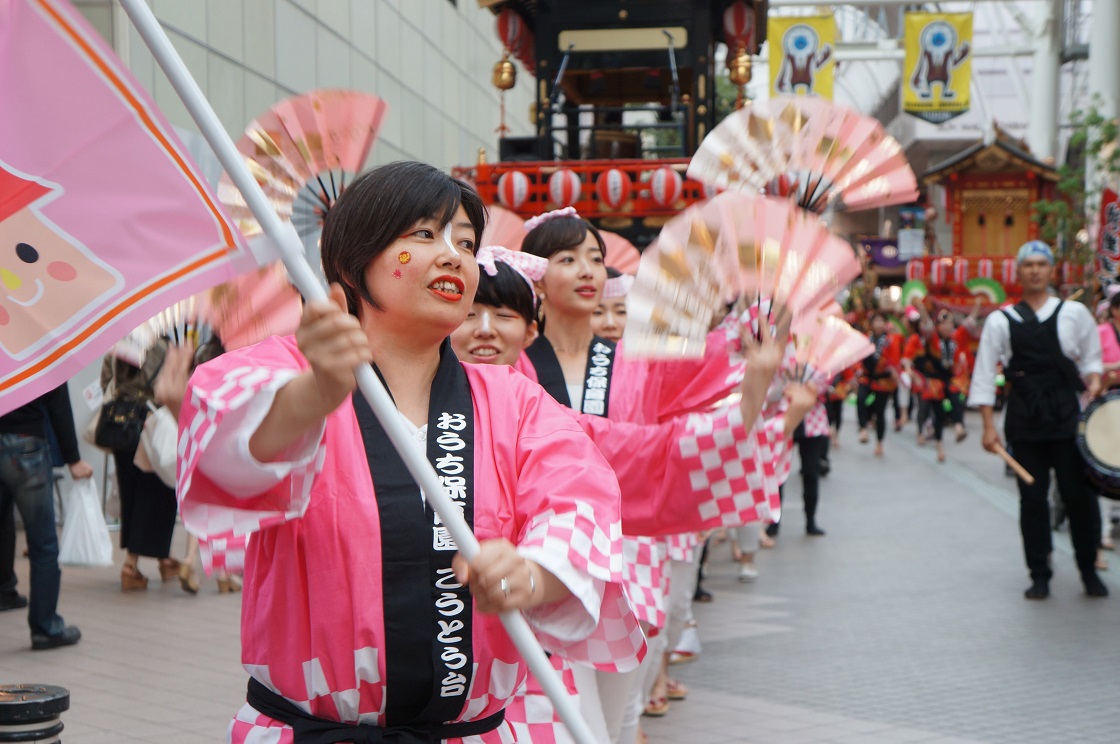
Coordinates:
x,y
302,150
818,153
733,248
504,228
254,306
621,253
827,345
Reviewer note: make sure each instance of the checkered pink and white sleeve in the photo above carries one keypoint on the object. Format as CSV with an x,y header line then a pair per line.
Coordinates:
x,y
231,496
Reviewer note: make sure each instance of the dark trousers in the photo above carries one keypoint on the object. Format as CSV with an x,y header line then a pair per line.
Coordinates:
x,y
812,450
955,414
8,578
835,411
877,408
26,481
1034,510
148,509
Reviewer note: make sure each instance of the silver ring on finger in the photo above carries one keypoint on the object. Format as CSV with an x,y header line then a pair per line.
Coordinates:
x,y
504,586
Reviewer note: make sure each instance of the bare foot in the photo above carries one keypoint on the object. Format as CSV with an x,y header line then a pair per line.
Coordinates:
x,y
879,450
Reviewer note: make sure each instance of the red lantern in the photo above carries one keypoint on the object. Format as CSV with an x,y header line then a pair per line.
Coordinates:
x,y
614,188
984,268
915,270
513,189
526,51
738,26
564,188
938,271
960,271
665,186
1008,272
511,29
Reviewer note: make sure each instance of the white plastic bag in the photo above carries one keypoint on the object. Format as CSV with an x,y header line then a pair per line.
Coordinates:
x,y
85,537
159,441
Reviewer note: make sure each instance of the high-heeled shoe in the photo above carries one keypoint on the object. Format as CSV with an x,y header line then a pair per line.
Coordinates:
x,y
229,585
187,578
168,569
132,580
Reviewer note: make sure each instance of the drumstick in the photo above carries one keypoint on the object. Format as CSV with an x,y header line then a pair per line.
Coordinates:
x,y
1014,465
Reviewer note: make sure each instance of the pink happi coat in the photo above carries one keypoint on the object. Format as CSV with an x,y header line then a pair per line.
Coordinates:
x,y
312,624
725,481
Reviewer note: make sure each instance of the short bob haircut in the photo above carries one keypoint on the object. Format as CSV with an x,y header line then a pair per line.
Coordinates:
x,y
379,207
507,289
560,234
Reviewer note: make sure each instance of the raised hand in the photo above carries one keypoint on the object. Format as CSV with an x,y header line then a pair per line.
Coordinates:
x,y
334,344
170,384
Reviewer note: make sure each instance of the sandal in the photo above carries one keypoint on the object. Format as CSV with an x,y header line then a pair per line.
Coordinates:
x,y
168,569
675,689
132,580
188,579
656,707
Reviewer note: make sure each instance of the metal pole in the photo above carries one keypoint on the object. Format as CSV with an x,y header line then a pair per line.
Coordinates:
x,y
288,245
1042,127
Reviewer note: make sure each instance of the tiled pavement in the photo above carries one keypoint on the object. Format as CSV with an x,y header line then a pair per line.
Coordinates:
x,y
905,624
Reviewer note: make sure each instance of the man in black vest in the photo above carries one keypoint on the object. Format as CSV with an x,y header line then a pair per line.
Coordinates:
x,y
1052,354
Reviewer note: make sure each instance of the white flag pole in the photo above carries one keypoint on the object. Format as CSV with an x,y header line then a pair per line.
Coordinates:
x,y
290,249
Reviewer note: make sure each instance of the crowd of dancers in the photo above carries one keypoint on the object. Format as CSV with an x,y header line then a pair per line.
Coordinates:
x,y
595,482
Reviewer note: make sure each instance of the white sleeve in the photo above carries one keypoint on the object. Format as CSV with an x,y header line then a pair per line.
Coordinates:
x,y
1088,343
994,345
575,618
227,460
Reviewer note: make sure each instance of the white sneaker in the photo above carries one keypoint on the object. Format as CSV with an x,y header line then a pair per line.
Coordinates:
x,y
748,573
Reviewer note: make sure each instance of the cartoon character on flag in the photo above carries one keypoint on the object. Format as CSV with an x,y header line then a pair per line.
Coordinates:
x,y
802,55
47,278
104,221
938,54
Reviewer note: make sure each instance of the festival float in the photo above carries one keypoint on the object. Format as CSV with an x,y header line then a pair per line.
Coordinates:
x,y
624,96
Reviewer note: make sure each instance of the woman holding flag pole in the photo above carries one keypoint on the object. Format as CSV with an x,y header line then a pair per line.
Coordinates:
x,y
329,562
352,572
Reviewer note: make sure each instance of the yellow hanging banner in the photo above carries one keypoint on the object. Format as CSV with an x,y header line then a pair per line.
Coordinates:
x,y
938,67
802,55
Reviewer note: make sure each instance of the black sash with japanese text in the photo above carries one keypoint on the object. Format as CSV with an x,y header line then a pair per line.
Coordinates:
x,y
427,613
596,378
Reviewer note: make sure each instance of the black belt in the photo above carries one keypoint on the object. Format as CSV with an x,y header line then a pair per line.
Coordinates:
x,y
311,730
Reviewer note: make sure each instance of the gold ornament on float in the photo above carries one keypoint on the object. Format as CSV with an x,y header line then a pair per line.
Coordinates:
x,y
504,78
739,66
505,74
739,72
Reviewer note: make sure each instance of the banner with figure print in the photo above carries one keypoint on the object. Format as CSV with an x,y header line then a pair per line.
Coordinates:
x,y
937,71
802,55
104,219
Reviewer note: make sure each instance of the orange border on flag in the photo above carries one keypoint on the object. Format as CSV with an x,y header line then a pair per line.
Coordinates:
x,y
230,244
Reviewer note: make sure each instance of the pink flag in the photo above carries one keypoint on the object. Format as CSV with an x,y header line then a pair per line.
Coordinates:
x,y
104,220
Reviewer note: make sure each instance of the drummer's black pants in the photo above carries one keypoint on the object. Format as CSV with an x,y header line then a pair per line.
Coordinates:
x,y
1034,511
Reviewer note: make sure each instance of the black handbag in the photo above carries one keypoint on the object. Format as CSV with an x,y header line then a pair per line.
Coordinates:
x,y
120,424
